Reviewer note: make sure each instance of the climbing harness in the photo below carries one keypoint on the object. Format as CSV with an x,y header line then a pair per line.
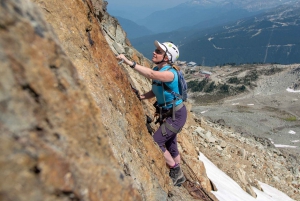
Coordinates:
x,y
169,126
162,114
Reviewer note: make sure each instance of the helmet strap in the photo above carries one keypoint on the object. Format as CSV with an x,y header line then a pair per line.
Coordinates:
x,y
162,59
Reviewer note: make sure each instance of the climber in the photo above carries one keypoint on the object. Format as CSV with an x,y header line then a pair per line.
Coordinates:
x,y
167,104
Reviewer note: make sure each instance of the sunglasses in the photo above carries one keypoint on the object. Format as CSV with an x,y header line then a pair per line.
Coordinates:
x,y
157,51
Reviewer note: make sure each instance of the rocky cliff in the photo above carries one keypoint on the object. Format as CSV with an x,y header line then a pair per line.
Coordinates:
x,y
71,127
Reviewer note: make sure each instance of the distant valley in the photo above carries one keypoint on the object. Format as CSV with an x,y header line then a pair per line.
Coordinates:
x,y
219,32
269,37
207,13
272,37
257,100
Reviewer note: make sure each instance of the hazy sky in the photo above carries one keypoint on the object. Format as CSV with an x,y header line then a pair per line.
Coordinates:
x,y
137,9
143,3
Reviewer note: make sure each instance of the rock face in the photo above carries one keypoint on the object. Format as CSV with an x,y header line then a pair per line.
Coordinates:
x,y
71,127
54,145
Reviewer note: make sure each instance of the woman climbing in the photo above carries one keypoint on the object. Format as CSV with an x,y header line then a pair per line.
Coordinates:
x,y
171,110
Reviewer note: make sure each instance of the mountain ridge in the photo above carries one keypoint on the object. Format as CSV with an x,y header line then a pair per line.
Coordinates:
x,y
132,29
256,39
193,12
244,41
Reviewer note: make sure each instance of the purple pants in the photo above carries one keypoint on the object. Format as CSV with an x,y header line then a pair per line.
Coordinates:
x,y
169,141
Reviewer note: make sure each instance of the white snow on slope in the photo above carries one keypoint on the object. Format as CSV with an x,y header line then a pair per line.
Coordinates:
x,y
284,146
229,190
256,34
291,90
218,48
292,132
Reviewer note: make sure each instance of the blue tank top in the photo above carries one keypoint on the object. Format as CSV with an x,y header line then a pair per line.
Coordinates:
x,y
163,96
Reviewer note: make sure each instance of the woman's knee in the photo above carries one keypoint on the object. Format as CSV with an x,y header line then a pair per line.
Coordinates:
x,y
174,152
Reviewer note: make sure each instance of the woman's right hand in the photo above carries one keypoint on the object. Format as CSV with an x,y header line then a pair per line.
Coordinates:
x,y
122,57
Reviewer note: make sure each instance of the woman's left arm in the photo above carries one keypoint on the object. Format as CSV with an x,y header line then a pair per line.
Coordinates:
x,y
147,95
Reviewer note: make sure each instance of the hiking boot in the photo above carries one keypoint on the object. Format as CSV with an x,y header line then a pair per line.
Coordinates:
x,y
177,176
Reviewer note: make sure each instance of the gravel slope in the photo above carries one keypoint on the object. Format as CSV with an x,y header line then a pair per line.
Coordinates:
x,y
267,111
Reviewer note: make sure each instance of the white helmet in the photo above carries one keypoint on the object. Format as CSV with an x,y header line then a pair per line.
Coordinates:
x,y
170,49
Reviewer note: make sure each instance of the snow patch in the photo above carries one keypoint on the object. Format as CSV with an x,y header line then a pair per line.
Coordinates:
x,y
229,190
292,90
273,192
284,146
258,32
229,37
218,48
292,132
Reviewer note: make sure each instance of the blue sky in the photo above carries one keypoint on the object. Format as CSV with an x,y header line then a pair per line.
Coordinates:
x,y
137,9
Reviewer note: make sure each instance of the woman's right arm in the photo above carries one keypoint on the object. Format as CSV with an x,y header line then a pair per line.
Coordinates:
x,y
147,95
165,76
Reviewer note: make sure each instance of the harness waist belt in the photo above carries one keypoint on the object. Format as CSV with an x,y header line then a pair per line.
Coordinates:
x,y
178,107
170,102
169,126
